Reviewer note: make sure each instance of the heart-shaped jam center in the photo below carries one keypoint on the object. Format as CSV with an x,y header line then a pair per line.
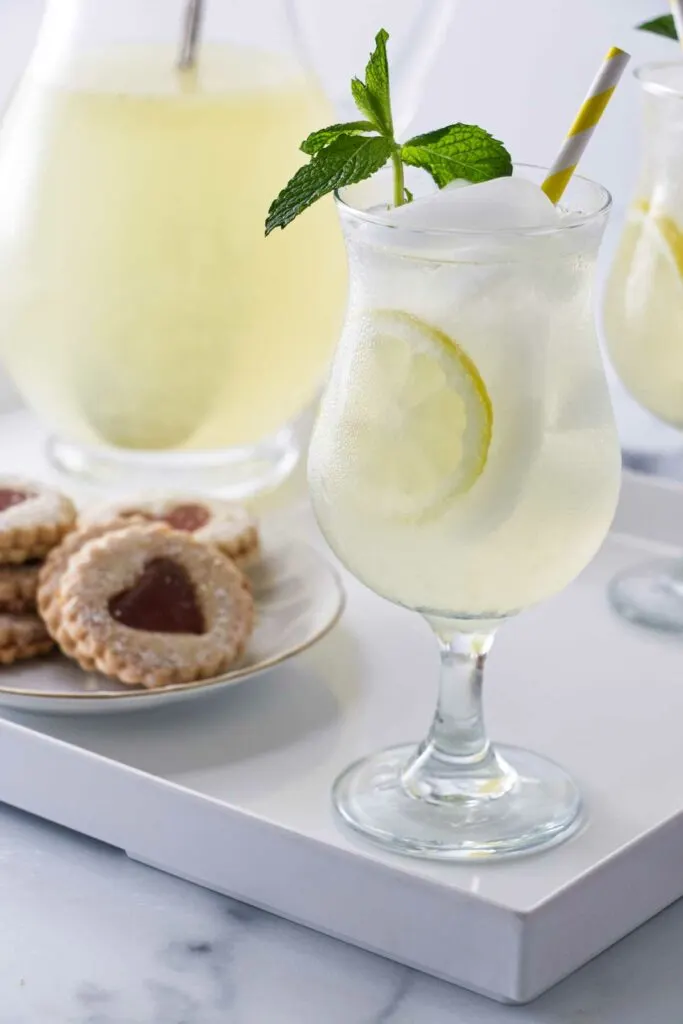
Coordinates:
x,y
188,517
183,517
10,497
162,600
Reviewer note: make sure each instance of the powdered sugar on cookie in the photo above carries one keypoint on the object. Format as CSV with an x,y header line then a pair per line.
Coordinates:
x,y
152,606
227,525
33,519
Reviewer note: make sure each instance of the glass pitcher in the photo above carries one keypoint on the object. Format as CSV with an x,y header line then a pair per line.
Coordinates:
x,y
144,317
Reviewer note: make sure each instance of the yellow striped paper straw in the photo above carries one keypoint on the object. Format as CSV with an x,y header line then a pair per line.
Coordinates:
x,y
581,131
677,11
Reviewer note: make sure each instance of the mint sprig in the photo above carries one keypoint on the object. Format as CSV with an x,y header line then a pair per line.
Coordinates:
x,y
663,26
344,154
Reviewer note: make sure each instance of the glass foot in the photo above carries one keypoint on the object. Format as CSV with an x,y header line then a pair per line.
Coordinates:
x,y
232,473
650,595
540,808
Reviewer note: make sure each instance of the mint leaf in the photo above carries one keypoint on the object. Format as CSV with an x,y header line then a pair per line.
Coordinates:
x,y
458,151
364,102
316,140
377,79
345,161
664,26
372,96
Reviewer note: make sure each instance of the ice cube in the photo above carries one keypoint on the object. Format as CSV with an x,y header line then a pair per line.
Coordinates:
x,y
457,183
503,203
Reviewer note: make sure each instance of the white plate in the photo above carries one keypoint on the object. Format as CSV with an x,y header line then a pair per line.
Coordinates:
x,y
299,598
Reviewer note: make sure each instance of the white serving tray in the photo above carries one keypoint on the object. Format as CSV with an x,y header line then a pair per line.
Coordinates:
x,y
232,791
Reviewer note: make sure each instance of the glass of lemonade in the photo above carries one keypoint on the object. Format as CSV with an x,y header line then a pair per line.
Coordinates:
x,y
144,316
465,464
643,316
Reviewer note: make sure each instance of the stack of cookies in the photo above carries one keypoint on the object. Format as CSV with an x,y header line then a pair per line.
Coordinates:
x,y
151,593
33,521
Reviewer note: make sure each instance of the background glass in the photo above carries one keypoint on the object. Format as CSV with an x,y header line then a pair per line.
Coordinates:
x,y
643,315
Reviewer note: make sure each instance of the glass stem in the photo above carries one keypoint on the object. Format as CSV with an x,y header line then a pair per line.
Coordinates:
x,y
457,761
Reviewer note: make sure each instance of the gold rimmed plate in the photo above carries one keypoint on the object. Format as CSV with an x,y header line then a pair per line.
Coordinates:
x,y
298,597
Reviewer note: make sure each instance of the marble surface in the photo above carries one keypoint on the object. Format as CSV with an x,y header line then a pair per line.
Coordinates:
x,y
89,937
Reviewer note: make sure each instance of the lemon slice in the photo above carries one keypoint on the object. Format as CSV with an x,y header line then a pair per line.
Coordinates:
x,y
673,237
668,231
419,416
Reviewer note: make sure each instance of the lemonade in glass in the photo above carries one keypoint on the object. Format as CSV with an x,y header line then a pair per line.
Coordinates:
x,y
644,296
465,464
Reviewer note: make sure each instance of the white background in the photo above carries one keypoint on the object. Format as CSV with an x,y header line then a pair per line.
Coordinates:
x,y
518,67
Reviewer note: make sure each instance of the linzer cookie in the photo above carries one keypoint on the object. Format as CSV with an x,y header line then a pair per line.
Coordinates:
x,y
55,565
153,606
230,527
18,587
33,519
21,637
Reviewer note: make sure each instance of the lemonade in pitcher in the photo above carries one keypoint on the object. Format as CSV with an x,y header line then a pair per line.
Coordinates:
x,y
143,315
140,305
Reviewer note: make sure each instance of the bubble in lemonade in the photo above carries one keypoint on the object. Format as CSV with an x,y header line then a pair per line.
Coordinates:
x,y
465,458
141,306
